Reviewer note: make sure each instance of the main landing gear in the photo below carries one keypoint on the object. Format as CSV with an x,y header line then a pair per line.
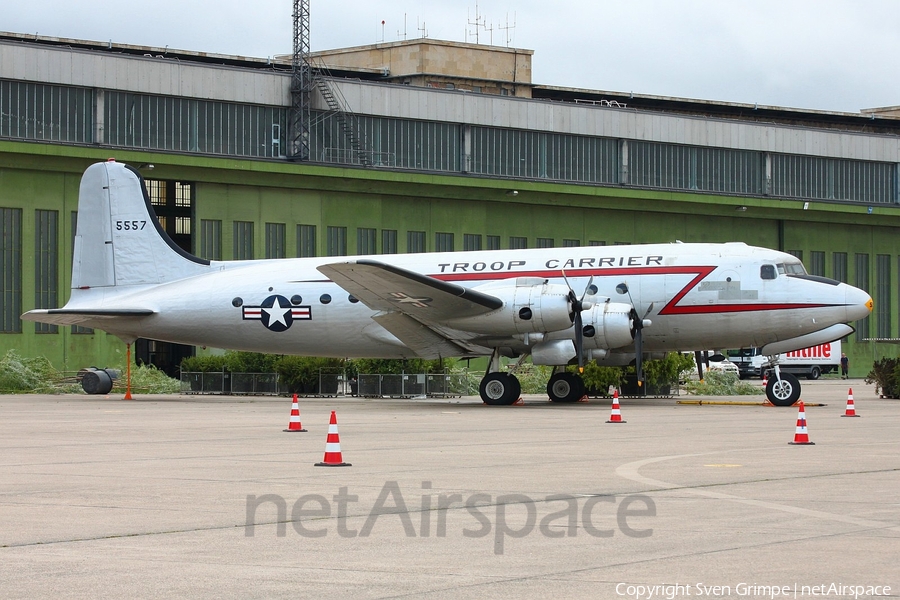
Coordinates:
x,y
499,388
565,387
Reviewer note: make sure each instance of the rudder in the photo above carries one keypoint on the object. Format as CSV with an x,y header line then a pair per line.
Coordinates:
x,y
119,240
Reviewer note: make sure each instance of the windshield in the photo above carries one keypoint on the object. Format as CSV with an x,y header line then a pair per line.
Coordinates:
x,y
791,268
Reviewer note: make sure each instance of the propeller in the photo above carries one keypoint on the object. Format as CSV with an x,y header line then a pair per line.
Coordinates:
x,y
638,325
578,305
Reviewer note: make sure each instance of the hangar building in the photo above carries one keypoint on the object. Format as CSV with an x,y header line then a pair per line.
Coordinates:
x,y
420,146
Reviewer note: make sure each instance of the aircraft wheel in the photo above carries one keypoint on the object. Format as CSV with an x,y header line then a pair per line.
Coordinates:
x,y
784,391
565,387
814,373
499,389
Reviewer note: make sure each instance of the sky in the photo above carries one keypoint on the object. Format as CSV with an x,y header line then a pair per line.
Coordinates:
x,y
830,55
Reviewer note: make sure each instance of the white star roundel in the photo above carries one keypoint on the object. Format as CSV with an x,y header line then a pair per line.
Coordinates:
x,y
277,313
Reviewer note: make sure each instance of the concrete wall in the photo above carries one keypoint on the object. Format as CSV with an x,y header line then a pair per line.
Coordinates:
x,y
494,111
149,75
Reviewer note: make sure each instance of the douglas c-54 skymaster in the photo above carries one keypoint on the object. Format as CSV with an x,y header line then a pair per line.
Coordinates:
x,y
129,278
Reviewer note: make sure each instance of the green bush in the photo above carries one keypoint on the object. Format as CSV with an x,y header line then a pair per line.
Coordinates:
x,y
667,372
301,373
147,379
250,362
396,366
720,383
203,364
598,379
26,375
885,374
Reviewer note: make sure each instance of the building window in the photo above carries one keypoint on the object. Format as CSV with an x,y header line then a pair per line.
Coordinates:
x,y
415,241
46,264
365,240
796,253
172,203
817,263
882,295
471,242
243,240
596,243
275,233
306,240
571,243
211,239
493,242
11,270
389,241
517,242
443,242
336,241
192,125
839,266
862,282
50,113
540,155
545,242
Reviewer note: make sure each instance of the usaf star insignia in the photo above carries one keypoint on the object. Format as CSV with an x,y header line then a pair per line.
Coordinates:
x,y
277,313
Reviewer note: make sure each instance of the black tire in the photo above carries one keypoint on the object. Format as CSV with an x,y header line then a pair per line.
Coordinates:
x,y
498,389
783,392
814,373
565,387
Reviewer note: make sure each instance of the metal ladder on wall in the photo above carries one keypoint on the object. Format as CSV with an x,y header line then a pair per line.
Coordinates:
x,y
345,118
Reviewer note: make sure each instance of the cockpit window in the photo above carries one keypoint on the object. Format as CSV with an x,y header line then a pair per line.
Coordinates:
x,y
795,268
767,272
792,268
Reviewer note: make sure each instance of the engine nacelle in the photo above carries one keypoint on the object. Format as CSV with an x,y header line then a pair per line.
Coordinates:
x,y
530,305
611,325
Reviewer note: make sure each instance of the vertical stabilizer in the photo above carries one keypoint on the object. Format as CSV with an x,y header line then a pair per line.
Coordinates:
x,y
119,240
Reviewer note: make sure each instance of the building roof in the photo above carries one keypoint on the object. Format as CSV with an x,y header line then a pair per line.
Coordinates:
x,y
871,120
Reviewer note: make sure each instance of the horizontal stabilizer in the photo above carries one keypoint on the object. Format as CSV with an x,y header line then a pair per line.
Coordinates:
x,y
64,316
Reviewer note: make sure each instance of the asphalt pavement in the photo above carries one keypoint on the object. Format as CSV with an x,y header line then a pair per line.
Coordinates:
x,y
208,497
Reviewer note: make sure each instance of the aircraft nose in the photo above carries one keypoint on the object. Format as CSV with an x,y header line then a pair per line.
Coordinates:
x,y
859,304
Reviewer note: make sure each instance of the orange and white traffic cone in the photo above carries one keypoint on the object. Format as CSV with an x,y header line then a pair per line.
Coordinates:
x,y
294,425
851,408
615,415
333,457
801,437
765,381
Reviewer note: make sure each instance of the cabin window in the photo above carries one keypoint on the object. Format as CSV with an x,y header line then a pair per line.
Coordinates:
x,y
767,272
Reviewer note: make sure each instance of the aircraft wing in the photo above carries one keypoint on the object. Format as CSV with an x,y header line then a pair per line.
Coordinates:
x,y
392,289
413,305
67,316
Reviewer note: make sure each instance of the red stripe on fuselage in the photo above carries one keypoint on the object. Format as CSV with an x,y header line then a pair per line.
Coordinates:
x,y
671,308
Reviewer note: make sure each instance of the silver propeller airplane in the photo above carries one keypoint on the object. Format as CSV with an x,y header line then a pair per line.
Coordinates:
x,y
131,280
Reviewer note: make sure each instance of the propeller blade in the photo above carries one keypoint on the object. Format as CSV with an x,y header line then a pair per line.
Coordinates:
x,y
699,360
579,341
639,355
577,307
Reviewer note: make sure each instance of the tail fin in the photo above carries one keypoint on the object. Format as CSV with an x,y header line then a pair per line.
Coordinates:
x,y
119,240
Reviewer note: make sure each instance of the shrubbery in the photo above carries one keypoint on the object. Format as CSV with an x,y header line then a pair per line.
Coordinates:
x,y
26,375
36,375
885,374
720,383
